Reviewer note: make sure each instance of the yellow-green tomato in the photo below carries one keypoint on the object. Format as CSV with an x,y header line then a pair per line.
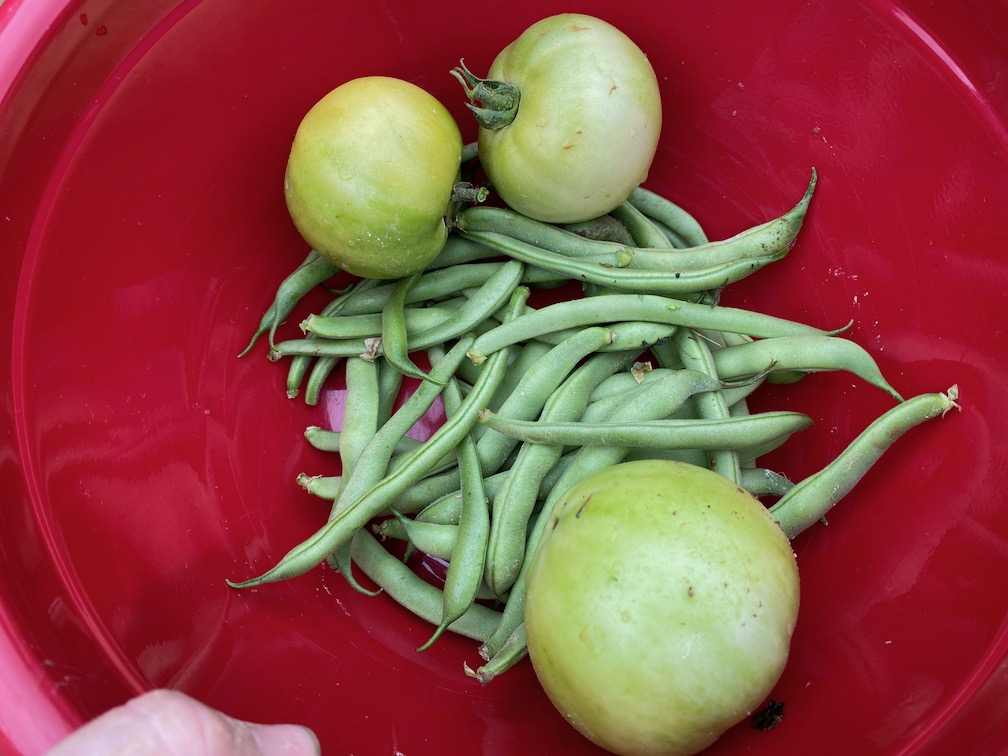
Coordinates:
x,y
660,605
587,124
370,176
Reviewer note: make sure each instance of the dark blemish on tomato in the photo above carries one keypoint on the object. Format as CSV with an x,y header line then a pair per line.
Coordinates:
x,y
769,716
567,146
556,521
583,505
689,591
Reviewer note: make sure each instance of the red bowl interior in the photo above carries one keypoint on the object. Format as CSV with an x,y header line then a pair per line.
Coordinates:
x,y
142,148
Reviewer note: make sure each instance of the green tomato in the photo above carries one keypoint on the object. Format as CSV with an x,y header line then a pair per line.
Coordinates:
x,y
660,605
587,121
370,176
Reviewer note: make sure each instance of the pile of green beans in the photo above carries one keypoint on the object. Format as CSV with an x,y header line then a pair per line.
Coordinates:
x,y
644,363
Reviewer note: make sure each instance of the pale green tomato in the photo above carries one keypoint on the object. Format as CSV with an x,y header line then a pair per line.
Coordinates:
x,y
660,605
587,124
370,176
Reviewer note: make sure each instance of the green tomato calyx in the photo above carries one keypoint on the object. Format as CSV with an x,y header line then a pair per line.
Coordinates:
x,y
494,103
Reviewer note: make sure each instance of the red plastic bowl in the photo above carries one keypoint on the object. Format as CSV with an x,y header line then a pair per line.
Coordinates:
x,y
142,148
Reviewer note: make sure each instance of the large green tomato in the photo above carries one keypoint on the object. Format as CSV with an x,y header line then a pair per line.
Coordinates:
x,y
587,124
370,176
660,605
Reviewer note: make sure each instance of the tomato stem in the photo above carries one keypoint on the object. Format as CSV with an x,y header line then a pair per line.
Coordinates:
x,y
494,103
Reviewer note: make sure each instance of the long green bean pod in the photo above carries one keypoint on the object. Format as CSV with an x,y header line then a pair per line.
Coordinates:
x,y
808,353
810,499
468,551
413,592
614,308
314,270
726,433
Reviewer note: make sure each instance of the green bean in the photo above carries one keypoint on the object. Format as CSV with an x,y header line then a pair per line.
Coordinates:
x,y
389,384
323,486
413,592
626,382
360,423
727,433
317,378
710,405
513,651
645,234
626,278
314,270
370,324
545,236
322,439
535,386
685,383
809,353
457,251
432,286
340,529
525,357
675,239
440,501
809,500
610,308
393,330
468,551
492,295
760,481
514,503
669,214
433,539
771,239
360,411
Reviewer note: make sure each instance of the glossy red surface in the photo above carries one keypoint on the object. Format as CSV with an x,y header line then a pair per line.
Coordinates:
x,y
142,148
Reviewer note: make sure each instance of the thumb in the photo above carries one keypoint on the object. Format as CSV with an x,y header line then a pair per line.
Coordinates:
x,y
294,740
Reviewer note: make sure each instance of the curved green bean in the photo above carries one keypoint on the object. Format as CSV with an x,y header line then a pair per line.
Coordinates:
x,y
694,353
628,279
761,481
394,339
434,539
314,270
413,592
669,214
771,239
546,236
644,233
808,353
468,551
809,500
361,326
612,308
